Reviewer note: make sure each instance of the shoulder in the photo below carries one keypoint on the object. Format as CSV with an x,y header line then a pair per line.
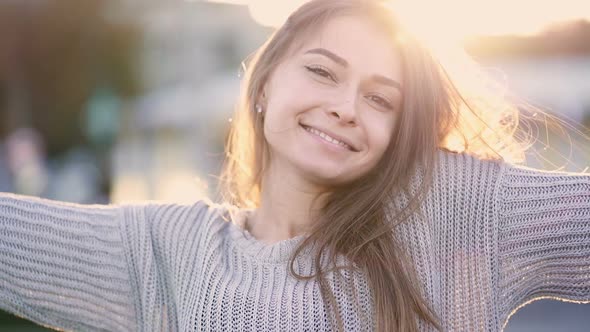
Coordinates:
x,y
198,211
162,217
460,174
461,164
448,156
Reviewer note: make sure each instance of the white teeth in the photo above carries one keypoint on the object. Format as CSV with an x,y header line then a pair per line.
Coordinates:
x,y
327,137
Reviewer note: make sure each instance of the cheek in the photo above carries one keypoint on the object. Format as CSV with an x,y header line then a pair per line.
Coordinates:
x,y
380,136
294,91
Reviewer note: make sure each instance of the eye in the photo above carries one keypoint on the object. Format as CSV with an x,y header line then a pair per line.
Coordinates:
x,y
320,71
380,101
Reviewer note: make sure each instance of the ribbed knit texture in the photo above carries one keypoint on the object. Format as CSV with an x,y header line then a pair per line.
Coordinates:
x,y
495,236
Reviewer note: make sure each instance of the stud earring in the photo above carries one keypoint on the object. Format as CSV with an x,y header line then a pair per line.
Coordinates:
x,y
258,108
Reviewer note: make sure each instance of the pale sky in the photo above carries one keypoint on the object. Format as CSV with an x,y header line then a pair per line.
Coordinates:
x,y
451,19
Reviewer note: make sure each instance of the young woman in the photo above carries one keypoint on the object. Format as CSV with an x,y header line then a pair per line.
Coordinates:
x,y
344,208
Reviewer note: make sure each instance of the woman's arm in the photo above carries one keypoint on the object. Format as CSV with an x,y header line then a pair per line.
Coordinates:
x,y
66,265
543,236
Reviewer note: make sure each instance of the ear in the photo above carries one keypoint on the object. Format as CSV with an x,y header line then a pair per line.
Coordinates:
x,y
264,91
262,97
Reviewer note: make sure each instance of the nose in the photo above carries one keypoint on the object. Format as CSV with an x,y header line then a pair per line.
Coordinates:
x,y
345,111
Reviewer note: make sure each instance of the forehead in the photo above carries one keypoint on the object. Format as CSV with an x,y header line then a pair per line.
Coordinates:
x,y
364,44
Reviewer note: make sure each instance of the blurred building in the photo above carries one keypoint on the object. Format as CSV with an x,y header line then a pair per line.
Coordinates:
x,y
171,147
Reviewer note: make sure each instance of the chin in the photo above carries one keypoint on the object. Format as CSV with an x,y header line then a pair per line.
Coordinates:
x,y
327,175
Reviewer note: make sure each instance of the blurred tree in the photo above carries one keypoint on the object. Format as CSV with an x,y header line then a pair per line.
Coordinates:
x,y
54,57
53,54
57,59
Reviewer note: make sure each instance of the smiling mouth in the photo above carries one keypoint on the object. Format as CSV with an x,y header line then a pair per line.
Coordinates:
x,y
327,138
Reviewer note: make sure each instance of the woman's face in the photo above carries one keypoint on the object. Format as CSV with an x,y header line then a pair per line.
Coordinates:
x,y
345,81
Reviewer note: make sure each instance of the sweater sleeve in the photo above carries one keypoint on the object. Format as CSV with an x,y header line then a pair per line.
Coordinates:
x,y
64,265
543,237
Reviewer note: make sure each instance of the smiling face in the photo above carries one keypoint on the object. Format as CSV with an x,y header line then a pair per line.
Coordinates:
x,y
331,106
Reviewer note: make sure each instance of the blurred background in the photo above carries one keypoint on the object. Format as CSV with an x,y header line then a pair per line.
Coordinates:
x,y
122,100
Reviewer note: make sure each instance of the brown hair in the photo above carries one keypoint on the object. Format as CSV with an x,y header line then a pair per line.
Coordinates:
x,y
434,115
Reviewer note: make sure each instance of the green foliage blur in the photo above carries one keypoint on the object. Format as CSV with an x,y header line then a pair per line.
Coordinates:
x,y
54,55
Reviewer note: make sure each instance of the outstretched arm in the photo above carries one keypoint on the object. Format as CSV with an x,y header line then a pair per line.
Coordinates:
x,y
544,236
64,265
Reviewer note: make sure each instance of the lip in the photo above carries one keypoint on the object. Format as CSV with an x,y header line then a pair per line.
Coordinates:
x,y
331,134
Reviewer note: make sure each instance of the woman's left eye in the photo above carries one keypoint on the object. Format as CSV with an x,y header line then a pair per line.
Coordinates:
x,y
381,101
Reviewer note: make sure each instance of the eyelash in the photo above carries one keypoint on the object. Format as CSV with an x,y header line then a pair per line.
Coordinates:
x,y
384,102
319,70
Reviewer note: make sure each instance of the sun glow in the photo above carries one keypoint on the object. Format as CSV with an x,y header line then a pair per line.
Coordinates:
x,y
452,19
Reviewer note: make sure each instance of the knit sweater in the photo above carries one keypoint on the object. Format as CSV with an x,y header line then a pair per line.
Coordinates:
x,y
495,236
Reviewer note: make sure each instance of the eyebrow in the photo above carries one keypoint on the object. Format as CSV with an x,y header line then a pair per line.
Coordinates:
x,y
387,81
330,55
339,60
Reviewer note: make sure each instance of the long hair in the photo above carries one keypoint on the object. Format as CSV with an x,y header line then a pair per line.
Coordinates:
x,y
358,220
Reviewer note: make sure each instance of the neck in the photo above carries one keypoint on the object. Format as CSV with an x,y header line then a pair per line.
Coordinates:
x,y
286,209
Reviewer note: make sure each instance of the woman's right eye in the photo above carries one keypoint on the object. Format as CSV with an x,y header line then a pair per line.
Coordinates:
x,y
321,72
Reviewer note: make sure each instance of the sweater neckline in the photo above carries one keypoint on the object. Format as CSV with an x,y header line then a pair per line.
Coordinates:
x,y
277,252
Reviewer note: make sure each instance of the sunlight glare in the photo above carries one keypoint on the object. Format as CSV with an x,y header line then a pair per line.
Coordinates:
x,y
458,19
272,13
451,20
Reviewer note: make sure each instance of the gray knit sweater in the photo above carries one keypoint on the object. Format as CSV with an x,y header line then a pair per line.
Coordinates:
x,y
495,237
